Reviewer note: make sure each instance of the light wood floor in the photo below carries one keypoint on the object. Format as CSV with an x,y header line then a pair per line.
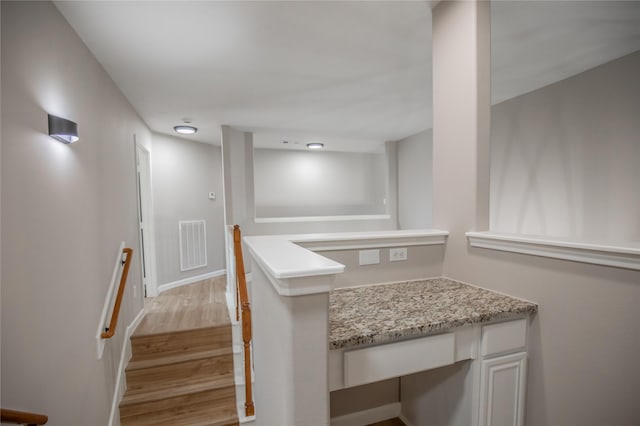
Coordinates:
x,y
189,307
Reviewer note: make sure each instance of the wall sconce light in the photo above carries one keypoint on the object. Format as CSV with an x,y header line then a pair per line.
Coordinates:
x,y
315,145
63,130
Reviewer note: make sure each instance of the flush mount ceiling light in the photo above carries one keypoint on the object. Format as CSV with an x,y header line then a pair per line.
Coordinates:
x,y
63,130
184,129
315,145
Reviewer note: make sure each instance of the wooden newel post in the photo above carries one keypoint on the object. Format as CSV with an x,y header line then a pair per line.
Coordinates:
x,y
246,319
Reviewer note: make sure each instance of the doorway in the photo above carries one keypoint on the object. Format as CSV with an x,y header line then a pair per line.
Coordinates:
x,y
145,220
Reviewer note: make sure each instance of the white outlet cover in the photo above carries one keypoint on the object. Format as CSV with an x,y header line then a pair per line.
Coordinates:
x,y
397,254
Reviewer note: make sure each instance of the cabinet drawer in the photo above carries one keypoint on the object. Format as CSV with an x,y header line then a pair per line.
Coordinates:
x,y
504,337
398,359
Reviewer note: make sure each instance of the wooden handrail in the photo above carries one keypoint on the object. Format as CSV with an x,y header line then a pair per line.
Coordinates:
x,y
111,330
246,319
22,417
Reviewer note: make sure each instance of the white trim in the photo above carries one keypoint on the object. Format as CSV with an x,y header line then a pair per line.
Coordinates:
x,y
164,287
151,283
364,240
244,419
300,288
108,301
125,355
626,255
365,417
321,218
231,307
405,420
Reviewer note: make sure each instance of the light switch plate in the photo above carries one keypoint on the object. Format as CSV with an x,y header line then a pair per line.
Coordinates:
x,y
369,257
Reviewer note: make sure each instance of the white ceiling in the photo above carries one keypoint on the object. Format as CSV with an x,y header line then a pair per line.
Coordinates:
x,y
352,73
536,43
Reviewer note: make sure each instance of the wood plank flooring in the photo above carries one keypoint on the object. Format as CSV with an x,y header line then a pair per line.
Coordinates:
x,y
181,370
197,305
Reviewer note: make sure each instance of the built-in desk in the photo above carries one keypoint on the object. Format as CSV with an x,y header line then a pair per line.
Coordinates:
x,y
310,338
391,330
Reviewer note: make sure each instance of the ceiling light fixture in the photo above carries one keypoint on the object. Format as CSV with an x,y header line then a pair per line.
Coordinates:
x,y
315,145
63,130
185,130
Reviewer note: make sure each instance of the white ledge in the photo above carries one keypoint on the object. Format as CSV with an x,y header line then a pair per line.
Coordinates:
x,y
282,259
370,239
321,218
293,268
625,255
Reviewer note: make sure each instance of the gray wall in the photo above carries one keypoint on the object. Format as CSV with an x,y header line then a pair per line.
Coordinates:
x,y
422,262
415,181
65,210
237,151
292,183
564,158
183,173
583,367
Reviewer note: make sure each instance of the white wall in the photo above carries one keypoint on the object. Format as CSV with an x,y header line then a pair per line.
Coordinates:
x,y
65,210
237,151
415,181
183,174
292,183
564,158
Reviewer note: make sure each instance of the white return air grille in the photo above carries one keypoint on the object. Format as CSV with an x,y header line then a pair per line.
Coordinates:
x,y
193,244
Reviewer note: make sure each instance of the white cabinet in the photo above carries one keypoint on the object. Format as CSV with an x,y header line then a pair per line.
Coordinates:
x,y
503,377
502,394
504,337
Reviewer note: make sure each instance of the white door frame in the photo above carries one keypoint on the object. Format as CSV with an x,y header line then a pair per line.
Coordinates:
x,y
146,229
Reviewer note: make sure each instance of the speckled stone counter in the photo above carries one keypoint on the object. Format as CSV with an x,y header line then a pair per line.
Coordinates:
x,y
383,313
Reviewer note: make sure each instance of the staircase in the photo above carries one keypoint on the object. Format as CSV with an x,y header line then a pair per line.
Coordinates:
x,y
183,377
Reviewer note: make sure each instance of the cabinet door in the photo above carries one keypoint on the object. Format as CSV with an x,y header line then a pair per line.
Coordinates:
x,y
502,390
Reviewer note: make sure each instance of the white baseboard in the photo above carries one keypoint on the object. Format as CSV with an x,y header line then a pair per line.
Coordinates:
x,y
404,420
124,359
190,280
365,417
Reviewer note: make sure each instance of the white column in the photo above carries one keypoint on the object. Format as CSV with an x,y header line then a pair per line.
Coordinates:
x,y
461,116
461,124
291,335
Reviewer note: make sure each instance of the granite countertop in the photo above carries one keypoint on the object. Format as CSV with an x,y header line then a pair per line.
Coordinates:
x,y
387,312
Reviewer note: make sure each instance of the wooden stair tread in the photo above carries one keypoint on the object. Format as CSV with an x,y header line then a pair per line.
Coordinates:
x,y
137,396
168,358
222,413
178,374
136,335
213,396
154,345
181,371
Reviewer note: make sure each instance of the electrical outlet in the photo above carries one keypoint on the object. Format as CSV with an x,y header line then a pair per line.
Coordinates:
x,y
398,254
